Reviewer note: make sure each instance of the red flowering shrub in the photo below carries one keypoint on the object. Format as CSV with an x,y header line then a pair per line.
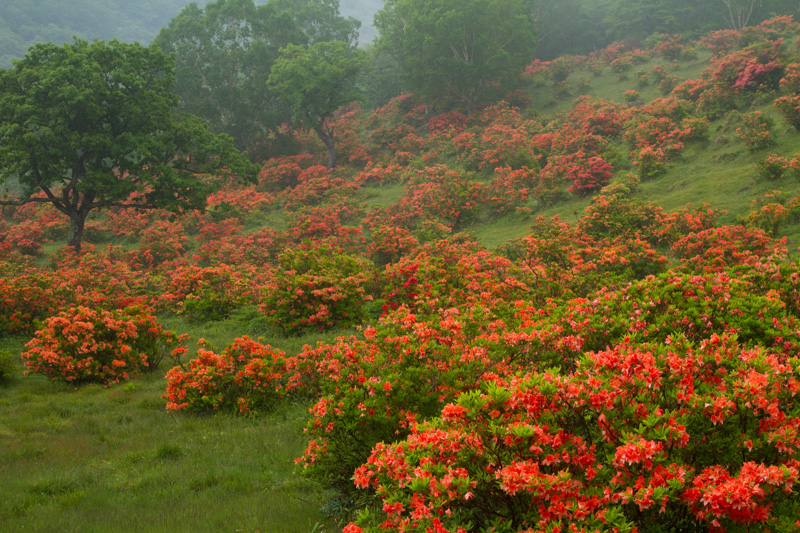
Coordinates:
x,y
316,184
616,215
598,117
83,345
237,201
389,244
349,145
452,121
26,296
319,288
328,223
373,389
771,211
650,162
50,221
690,219
440,193
772,167
246,377
376,173
454,272
27,237
721,42
583,172
726,246
283,172
561,68
561,260
210,293
162,241
104,278
761,63
593,174
621,66
635,436
789,107
509,189
756,131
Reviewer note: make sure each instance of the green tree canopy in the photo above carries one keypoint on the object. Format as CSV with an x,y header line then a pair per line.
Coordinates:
x,y
224,54
314,82
89,124
460,51
319,20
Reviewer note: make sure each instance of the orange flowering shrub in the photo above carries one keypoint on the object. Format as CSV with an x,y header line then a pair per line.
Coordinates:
x,y
720,248
319,288
26,297
245,377
83,345
680,437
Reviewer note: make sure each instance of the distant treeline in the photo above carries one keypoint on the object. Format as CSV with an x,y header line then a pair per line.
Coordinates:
x,y
580,26
26,22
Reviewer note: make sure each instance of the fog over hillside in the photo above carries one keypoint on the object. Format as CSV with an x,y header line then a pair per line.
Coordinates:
x,y
26,22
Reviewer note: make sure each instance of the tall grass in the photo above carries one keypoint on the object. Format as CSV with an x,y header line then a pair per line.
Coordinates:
x,y
113,459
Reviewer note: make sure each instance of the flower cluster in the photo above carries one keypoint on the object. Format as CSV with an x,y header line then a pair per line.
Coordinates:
x,y
83,345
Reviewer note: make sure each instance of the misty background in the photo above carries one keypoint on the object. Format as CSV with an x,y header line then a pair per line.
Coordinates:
x,y
26,22
563,27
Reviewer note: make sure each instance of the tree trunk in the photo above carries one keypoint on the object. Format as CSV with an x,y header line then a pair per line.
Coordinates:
x,y
75,236
327,139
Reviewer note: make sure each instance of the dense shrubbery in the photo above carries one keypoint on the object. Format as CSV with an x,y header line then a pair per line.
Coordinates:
x,y
82,345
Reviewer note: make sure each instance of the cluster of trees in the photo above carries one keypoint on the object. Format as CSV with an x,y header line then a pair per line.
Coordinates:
x,y
225,53
86,126
244,71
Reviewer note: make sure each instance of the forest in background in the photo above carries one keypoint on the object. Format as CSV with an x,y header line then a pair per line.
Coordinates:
x,y
564,27
25,22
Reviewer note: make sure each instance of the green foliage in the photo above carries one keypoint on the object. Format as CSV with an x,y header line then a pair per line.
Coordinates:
x,y
8,366
319,20
459,52
224,54
380,79
314,82
90,124
317,289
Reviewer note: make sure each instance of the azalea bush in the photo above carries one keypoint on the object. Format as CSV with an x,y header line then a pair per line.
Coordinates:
x,y
639,437
247,377
84,345
756,131
28,297
317,289
772,167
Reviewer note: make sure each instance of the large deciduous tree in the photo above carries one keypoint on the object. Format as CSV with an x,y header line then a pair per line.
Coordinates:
x,y
225,51
88,124
314,82
461,51
223,56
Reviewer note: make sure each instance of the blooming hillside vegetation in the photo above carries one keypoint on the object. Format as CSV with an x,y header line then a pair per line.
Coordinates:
x,y
610,363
